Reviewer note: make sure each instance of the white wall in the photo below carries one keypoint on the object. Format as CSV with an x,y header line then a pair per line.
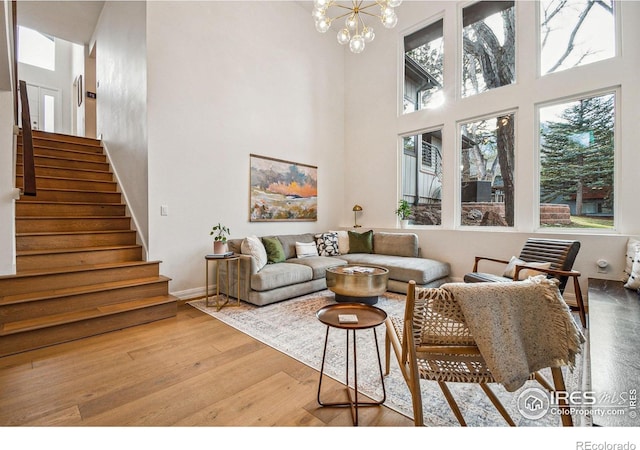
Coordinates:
x,y
121,74
227,79
373,86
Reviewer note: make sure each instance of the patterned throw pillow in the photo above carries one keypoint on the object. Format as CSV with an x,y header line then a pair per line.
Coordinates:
x,y
634,279
327,244
633,245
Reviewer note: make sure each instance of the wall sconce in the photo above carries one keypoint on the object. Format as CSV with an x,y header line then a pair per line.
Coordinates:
x,y
356,209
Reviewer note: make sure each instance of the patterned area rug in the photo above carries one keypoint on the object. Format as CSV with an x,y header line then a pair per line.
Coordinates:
x,y
292,328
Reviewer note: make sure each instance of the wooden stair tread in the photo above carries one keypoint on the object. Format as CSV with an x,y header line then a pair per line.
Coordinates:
x,y
77,169
46,202
86,314
73,233
73,250
83,268
68,217
73,179
79,191
66,292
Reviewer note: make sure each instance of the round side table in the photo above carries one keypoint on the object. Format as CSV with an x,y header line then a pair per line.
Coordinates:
x,y
351,317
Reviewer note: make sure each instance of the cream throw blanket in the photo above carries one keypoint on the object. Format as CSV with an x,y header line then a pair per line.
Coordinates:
x,y
520,327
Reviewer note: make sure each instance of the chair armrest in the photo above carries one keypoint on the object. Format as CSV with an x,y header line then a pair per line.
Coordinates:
x,y
485,258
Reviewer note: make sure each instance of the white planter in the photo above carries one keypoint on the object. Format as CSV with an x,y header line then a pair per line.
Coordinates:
x,y
404,223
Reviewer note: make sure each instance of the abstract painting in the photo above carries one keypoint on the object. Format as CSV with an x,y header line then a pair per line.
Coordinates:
x,y
282,190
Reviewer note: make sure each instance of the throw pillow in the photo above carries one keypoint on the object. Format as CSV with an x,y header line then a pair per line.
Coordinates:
x,y
361,242
510,270
633,245
275,252
634,279
343,241
327,244
252,246
306,249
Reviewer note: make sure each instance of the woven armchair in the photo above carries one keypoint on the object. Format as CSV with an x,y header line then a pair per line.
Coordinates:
x,y
433,342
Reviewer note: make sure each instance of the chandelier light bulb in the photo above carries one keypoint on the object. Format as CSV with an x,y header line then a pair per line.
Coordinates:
x,y
323,25
394,3
351,22
321,4
390,20
318,13
386,11
343,36
356,45
368,34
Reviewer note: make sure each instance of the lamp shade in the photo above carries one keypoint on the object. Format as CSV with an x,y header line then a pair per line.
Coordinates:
x,y
357,208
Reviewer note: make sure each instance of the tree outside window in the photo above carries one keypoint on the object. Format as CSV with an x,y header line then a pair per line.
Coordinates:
x,y
577,163
423,68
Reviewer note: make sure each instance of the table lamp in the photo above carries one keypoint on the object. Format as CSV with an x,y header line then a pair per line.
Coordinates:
x,y
356,208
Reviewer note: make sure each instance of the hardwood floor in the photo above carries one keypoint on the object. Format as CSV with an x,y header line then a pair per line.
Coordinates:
x,y
191,370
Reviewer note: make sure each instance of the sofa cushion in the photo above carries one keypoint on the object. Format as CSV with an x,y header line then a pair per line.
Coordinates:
x,y
401,268
319,264
361,242
275,252
327,244
306,249
252,246
278,275
288,242
510,270
395,244
343,241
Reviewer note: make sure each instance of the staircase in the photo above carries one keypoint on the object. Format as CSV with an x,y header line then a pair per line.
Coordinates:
x,y
80,271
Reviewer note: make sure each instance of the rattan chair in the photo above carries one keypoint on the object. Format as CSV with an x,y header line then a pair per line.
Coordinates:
x,y
560,253
433,342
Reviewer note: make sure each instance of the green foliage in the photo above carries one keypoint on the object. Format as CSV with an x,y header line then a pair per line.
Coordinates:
x,y
404,210
220,233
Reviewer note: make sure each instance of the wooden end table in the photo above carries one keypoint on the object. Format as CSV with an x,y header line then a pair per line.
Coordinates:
x,y
367,317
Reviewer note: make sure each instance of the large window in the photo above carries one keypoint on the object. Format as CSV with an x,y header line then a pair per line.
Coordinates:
x,y
423,70
487,171
577,163
575,32
36,49
422,177
489,46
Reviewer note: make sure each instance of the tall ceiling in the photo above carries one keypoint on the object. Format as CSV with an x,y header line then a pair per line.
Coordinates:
x,y
70,20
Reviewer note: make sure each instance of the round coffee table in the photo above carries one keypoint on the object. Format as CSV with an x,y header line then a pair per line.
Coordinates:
x,y
357,283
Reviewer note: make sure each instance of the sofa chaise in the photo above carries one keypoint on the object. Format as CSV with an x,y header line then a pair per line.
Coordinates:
x,y
276,268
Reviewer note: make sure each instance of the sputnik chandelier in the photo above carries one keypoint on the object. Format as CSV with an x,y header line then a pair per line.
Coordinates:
x,y
355,31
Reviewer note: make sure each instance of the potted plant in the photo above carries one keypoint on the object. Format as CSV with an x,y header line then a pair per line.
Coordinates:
x,y
219,233
403,212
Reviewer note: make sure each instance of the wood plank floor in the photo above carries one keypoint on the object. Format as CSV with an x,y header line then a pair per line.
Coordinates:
x,y
191,370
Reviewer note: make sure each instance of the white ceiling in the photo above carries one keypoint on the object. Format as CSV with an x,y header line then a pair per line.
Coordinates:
x,y
70,20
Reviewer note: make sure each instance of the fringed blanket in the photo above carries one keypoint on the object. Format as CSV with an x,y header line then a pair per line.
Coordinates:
x,y
520,327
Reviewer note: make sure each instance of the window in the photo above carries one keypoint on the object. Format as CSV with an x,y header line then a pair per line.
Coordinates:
x,y
422,176
487,171
36,49
577,163
575,32
423,74
488,43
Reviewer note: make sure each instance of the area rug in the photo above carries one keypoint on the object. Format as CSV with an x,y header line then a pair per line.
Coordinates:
x,y
292,328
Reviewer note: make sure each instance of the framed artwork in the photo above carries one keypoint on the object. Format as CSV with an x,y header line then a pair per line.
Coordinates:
x,y
282,190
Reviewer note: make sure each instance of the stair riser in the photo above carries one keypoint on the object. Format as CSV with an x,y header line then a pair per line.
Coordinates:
x,y
58,153
23,285
67,163
38,262
66,145
21,342
43,308
66,138
45,195
60,241
61,183
37,225
62,209
68,173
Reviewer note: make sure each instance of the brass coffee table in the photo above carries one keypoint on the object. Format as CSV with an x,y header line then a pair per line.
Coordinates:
x,y
351,317
357,283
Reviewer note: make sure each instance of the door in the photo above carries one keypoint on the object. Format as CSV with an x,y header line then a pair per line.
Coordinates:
x,y
45,108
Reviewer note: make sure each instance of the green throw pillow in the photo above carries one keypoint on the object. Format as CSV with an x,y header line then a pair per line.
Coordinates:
x,y
361,242
275,252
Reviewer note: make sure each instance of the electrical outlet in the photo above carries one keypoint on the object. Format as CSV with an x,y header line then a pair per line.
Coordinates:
x,y
164,210
603,265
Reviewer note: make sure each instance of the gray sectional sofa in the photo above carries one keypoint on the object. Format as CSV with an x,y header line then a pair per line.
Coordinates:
x,y
295,276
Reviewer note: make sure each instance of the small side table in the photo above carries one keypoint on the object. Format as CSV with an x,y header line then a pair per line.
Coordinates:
x,y
219,259
367,317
